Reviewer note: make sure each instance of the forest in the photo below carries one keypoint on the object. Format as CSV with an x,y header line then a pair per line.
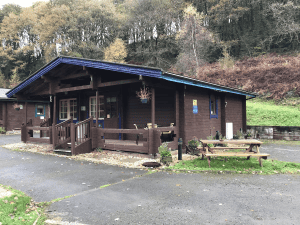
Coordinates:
x,y
205,39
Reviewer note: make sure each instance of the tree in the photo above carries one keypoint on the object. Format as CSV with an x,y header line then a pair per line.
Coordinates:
x,y
116,52
15,80
2,81
193,39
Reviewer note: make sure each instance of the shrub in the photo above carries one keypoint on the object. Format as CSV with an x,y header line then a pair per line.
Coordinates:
x,y
2,130
163,150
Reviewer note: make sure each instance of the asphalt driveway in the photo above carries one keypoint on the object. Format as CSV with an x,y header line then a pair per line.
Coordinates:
x,y
160,198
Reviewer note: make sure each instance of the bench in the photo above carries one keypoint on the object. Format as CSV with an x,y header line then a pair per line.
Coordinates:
x,y
212,151
239,154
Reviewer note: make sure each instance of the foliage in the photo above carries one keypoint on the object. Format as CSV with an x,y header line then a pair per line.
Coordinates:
x,y
239,165
261,112
2,130
194,143
116,52
19,209
163,150
144,93
15,80
192,39
3,83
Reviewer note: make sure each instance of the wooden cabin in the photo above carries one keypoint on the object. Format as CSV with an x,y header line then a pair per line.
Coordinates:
x,y
94,104
14,112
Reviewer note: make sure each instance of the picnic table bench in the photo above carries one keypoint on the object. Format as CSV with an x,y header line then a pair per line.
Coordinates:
x,y
209,151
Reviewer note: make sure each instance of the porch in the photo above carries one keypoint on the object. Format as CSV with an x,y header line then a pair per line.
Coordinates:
x,y
84,136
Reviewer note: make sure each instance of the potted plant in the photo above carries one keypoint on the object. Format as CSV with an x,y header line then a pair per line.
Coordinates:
x,y
249,135
144,94
165,154
16,106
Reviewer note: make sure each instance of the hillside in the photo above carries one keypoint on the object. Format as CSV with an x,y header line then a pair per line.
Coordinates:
x,y
273,76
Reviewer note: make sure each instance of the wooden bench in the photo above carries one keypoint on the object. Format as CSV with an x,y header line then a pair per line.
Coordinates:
x,y
208,151
238,154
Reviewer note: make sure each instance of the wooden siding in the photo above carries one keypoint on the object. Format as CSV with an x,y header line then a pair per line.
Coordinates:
x,y
13,119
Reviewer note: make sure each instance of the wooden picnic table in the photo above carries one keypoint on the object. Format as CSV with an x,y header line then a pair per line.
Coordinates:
x,y
208,151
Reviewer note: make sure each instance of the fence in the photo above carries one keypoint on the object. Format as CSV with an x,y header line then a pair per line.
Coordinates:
x,y
276,132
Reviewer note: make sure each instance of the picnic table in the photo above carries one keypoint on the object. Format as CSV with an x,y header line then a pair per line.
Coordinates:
x,y
208,151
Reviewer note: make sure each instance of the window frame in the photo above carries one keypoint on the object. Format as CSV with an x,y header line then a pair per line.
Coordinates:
x,y
68,109
215,106
99,111
36,110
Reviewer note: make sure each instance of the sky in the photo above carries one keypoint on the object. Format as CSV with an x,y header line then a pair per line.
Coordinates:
x,y
23,3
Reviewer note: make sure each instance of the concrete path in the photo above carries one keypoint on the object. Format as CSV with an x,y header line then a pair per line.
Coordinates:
x,y
136,197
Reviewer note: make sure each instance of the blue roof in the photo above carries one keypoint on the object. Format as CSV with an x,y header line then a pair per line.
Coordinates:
x,y
124,68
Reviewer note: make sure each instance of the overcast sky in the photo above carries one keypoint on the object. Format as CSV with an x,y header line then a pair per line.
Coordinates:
x,y
23,3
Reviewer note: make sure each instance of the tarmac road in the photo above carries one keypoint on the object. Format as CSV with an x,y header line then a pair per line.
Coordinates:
x,y
158,198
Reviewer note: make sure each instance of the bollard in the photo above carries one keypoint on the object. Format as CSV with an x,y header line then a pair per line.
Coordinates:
x,y
180,149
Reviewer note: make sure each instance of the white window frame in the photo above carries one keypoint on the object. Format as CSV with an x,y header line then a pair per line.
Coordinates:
x,y
68,109
99,103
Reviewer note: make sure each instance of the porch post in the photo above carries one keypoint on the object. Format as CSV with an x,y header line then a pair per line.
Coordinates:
x,y
54,123
97,113
177,110
26,113
153,107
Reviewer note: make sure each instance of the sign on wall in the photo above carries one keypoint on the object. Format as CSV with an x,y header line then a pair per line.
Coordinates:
x,y
195,107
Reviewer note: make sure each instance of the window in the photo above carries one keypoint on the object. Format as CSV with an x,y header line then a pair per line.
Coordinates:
x,y
67,108
39,110
100,107
111,107
213,106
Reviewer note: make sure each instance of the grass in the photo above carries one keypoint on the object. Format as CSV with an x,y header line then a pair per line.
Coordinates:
x,y
104,186
239,165
261,112
280,142
20,209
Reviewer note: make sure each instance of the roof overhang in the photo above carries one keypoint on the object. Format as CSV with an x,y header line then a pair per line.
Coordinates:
x,y
125,68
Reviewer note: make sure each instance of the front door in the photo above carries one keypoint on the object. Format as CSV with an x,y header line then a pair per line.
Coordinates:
x,y
111,119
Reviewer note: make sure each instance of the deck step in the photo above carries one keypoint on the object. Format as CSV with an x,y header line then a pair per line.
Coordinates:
x,y
63,151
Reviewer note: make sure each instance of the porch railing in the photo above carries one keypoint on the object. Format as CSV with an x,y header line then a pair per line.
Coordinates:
x,y
151,137
81,137
62,134
27,133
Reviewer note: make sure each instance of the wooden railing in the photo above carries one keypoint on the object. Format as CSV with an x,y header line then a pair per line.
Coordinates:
x,y
62,134
81,137
151,139
45,123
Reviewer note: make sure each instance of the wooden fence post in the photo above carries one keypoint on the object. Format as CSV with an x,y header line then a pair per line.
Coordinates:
x,y
150,141
50,135
23,133
73,138
54,136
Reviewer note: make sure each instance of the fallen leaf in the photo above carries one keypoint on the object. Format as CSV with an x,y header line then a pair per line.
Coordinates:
x,y
178,185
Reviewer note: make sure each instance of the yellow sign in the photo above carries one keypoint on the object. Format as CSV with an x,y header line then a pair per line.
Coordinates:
x,y
194,102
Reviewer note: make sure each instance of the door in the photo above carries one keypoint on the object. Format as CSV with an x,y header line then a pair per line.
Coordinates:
x,y
111,119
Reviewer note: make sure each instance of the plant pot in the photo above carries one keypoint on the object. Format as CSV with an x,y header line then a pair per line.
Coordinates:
x,y
17,109
144,100
166,159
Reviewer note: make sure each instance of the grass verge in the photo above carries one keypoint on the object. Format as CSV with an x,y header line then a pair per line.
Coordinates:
x,y
280,142
261,112
20,209
239,165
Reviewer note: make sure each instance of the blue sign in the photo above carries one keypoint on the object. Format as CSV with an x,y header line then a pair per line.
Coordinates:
x,y
195,109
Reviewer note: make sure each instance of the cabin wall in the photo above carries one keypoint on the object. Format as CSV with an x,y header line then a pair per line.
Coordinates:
x,y
236,111
15,119
199,124
139,113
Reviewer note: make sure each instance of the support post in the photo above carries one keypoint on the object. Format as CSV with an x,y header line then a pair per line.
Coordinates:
x,y
73,138
54,135
97,109
153,107
177,110
26,112
4,115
